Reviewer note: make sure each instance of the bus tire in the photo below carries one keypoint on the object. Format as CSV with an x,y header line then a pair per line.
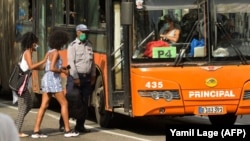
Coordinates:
x,y
228,119
103,117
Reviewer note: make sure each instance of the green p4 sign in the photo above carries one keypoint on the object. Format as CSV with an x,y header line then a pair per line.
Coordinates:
x,y
164,52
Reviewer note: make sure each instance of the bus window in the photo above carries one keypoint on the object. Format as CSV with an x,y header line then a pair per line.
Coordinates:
x,y
60,13
232,30
77,9
224,25
96,17
70,12
149,21
96,22
24,18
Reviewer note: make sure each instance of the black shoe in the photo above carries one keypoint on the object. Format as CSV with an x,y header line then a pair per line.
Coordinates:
x,y
82,129
61,129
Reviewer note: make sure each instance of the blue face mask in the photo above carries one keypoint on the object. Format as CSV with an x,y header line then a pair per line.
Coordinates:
x,y
165,26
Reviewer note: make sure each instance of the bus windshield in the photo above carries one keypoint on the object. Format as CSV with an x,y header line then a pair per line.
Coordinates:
x,y
191,31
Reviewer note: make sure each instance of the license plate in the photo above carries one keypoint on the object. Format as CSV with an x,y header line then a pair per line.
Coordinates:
x,y
210,110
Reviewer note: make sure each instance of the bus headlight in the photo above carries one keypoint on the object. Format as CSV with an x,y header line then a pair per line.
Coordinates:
x,y
155,95
168,95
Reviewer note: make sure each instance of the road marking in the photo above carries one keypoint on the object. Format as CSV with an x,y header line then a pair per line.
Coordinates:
x,y
71,121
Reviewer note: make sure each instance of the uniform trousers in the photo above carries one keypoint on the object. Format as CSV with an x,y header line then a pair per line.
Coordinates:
x,y
24,106
85,90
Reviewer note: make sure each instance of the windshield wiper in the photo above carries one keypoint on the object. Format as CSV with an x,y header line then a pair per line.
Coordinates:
x,y
138,48
230,40
183,49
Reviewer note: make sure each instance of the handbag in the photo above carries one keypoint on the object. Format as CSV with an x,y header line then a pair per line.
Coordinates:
x,y
19,79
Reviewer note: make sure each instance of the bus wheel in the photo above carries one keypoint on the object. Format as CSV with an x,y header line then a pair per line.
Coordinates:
x,y
103,117
228,119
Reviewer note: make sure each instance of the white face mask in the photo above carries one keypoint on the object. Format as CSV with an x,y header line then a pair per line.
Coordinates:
x,y
36,47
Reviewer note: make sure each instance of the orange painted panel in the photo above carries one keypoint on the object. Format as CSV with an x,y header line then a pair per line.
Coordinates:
x,y
197,86
63,55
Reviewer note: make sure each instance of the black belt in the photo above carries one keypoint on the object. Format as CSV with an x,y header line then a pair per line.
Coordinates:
x,y
83,74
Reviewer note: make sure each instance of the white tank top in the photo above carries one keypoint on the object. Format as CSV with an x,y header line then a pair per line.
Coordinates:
x,y
23,64
171,33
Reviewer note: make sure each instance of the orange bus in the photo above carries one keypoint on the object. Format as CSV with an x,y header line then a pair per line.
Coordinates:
x,y
204,73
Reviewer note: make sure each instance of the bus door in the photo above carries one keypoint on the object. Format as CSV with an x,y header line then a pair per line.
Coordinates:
x,y
117,54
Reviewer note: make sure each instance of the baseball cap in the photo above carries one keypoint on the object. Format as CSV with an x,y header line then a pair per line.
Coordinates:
x,y
82,27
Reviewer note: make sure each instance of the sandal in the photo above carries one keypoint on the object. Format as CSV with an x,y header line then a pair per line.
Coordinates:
x,y
23,135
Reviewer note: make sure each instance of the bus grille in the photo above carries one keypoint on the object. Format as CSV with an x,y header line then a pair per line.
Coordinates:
x,y
246,95
168,95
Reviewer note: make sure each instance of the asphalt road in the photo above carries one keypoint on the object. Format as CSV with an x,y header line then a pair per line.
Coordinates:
x,y
123,129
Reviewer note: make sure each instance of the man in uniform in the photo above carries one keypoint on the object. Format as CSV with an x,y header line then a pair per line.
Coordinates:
x,y
81,60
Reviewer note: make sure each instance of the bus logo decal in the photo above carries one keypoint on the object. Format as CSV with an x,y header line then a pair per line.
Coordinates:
x,y
211,82
211,68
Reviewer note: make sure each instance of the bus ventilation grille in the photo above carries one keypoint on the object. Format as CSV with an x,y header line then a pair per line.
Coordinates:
x,y
246,95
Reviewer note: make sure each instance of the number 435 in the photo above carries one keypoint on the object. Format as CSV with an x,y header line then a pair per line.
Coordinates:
x,y
154,84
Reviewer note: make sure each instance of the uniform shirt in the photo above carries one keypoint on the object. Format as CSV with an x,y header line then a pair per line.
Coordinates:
x,y
81,58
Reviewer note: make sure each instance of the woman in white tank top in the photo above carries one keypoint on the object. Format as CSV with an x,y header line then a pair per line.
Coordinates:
x,y
170,31
29,44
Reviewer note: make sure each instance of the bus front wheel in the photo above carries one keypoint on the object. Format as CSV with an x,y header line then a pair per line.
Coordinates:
x,y
228,119
103,117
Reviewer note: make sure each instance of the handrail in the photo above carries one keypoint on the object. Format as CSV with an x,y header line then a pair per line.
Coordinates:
x,y
113,53
121,45
117,64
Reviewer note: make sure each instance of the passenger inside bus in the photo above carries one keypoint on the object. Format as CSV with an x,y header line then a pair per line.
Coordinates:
x,y
225,29
187,26
170,32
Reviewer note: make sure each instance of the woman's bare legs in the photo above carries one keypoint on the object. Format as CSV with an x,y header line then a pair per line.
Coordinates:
x,y
60,97
44,105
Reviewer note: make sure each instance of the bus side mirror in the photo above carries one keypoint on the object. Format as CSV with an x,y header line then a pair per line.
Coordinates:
x,y
127,13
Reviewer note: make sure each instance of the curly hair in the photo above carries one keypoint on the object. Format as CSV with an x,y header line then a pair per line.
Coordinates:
x,y
58,38
28,39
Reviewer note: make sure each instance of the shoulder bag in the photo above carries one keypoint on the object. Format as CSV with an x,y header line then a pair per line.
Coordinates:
x,y
19,79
